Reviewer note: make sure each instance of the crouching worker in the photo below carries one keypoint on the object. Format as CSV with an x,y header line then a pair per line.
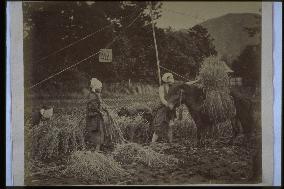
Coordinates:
x,y
95,130
45,113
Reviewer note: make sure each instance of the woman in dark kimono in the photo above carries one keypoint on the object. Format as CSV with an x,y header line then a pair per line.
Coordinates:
x,y
95,131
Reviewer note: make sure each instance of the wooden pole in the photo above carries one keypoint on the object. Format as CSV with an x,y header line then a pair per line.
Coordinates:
x,y
156,48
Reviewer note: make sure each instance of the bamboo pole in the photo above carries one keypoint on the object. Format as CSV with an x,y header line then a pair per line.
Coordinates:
x,y
156,48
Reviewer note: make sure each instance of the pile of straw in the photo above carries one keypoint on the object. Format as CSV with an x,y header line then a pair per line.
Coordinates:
x,y
135,128
56,137
134,153
216,84
93,166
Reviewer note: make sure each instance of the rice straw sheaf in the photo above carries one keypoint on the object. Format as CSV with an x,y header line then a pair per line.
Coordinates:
x,y
134,153
113,131
134,128
216,84
56,137
93,166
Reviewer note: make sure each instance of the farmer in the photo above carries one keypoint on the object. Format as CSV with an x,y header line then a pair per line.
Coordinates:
x,y
95,131
45,113
166,113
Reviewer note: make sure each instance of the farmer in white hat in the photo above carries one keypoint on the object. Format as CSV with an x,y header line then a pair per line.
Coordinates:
x,y
95,131
166,113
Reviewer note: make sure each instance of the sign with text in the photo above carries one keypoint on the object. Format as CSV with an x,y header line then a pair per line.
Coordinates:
x,y
105,55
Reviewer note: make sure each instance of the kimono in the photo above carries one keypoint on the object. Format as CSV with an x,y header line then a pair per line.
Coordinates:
x,y
95,134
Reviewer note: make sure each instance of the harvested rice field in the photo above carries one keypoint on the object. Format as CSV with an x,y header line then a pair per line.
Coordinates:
x,y
59,157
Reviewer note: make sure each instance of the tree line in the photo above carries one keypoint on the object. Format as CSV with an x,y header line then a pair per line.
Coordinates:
x,y
49,26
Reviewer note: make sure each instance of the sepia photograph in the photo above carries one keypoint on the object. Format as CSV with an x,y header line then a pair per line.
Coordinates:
x,y
142,92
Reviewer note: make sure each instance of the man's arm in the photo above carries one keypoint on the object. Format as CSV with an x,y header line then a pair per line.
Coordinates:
x,y
162,96
192,82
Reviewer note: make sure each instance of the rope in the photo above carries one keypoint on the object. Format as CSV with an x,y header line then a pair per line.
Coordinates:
x,y
174,73
65,69
71,44
75,42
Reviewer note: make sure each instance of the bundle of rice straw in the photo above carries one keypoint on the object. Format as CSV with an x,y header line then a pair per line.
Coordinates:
x,y
93,166
134,153
135,128
59,136
113,131
213,75
216,84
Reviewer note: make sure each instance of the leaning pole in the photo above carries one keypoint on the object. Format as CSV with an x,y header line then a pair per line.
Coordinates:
x,y
155,42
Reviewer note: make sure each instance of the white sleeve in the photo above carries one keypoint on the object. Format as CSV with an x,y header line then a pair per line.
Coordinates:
x,y
162,95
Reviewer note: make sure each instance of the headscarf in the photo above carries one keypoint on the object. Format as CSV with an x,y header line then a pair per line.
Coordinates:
x,y
166,76
96,84
46,112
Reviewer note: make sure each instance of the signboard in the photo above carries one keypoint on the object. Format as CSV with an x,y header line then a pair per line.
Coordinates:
x,y
105,55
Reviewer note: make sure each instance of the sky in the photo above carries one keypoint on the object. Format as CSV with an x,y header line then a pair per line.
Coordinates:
x,y
183,14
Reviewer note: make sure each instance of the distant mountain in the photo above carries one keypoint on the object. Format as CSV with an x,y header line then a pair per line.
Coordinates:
x,y
228,32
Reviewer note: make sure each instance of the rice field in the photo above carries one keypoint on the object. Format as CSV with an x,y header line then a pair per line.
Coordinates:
x,y
59,157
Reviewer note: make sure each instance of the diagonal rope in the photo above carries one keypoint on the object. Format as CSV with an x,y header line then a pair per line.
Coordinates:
x,y
77,41
174,72
74,43
77,63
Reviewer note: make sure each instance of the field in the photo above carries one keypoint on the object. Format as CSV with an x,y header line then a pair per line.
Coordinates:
x,y
215,162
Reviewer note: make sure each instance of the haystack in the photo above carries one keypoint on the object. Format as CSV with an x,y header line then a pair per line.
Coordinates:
x,y
216,84
134,153
56,137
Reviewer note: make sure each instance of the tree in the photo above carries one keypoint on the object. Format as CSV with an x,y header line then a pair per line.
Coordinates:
x,y
248,64
184,52
49,26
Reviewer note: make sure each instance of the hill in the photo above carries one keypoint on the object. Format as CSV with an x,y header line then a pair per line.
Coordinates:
x,y
228,32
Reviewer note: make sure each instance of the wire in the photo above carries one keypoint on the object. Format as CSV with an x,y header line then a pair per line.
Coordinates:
x,y
77,63
71,44
75,42
174,72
